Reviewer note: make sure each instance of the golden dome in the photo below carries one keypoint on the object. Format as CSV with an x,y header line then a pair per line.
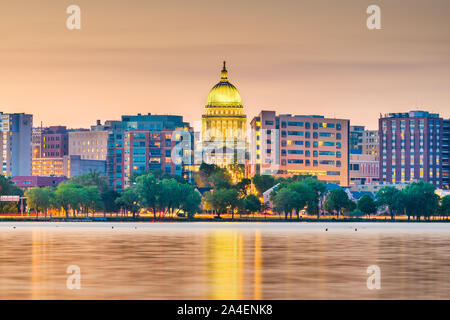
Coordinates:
x,y
224,94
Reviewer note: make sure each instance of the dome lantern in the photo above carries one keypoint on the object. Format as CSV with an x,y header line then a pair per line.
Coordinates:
x,y
224,94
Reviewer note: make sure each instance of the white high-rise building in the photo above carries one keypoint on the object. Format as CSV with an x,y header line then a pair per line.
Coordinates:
x,y
16,154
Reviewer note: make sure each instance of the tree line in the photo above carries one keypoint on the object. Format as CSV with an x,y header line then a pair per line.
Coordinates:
x,y
167,196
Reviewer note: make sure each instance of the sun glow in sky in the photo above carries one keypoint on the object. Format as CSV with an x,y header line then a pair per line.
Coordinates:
x,y
299,57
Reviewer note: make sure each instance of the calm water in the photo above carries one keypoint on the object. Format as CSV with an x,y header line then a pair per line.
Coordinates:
x,y
224,260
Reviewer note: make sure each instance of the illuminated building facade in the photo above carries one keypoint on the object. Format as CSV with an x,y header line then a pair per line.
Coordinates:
x,y
370,143
147,151
286,145
89,144
54,142
413,147
224,125
66,166
135,142
15,146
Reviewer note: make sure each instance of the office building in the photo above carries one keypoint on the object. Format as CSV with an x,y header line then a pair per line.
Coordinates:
x,y
92,145
54,142
135,142
412,148
286,145
16,153
364,169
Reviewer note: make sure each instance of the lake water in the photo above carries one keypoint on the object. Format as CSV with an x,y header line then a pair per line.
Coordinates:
x,y
224,260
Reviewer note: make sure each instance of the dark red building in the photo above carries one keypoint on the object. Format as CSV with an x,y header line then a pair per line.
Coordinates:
x,y
54,142
414,147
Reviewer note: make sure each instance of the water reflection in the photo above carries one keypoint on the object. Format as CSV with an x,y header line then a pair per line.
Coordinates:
x,y
136,261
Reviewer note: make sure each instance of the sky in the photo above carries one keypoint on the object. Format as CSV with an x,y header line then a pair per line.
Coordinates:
x,y
163,57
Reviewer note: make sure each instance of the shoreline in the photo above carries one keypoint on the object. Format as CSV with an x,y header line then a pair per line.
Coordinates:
x,y
212,220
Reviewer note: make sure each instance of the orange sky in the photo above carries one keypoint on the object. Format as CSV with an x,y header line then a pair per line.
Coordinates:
x,y
300,57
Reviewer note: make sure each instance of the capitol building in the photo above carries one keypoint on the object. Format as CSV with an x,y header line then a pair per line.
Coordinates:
x,y
224,125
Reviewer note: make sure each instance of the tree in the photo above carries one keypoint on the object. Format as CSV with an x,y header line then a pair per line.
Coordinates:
x,y
318,190
129,200
91,199
169,196
444,209
222,200
264,207
39,199
285,201
356,213
263,183
191,200
391,198
305,195
243,187
67,196
421,199
336,201
7,188
148,191
252,203
92,178
367,205
204,173
220,179
109,200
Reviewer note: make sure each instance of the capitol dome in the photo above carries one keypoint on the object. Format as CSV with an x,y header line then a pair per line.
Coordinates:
x,y
224,94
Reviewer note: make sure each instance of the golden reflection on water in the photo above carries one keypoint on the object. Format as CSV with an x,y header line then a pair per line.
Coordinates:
x,y
258,265
224,264
142,262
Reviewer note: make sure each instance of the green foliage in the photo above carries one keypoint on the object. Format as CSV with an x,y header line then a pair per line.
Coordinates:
x,y
40,199
222,200
251,204
392,198
417,199
7,188
263,183
356,213
220,179
338,201
147,188
367,205
444,209
129,200
167,195
421,199
109,200
77,198
190,200
286,200
93,178
243,187
202,178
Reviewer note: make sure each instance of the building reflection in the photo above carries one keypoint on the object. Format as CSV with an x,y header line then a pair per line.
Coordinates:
x,y
225,264
234,269
257,283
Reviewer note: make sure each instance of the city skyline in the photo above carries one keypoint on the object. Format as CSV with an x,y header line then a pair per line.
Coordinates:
x,y
161,58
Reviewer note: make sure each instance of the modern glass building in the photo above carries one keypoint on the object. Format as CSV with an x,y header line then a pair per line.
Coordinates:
x,y
139,143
